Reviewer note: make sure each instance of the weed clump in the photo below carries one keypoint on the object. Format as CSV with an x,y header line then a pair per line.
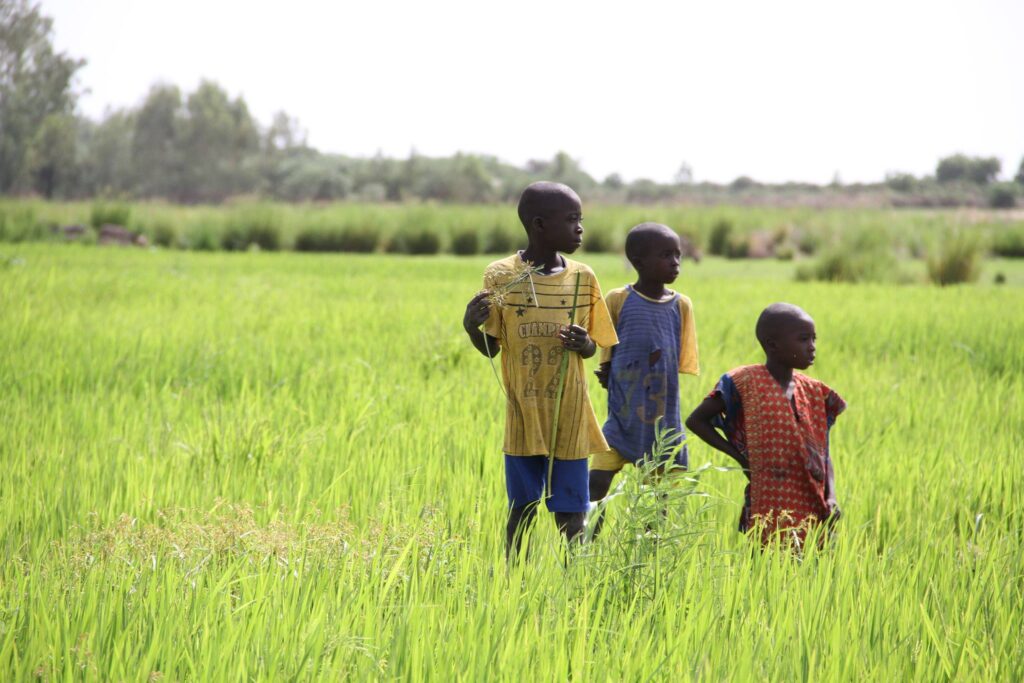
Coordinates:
x,y
498,241
1009,243
257,226
109,214
418,242
958,261
719,239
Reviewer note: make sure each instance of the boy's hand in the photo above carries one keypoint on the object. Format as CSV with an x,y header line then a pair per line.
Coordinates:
x,y
477,311
602,374
575,338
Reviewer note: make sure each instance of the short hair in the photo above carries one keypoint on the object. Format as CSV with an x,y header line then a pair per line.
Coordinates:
x,y
538,198
640,237
776,317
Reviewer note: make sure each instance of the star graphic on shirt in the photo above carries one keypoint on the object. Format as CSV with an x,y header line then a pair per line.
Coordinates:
x,y
520,311
569,315
529,299
563,302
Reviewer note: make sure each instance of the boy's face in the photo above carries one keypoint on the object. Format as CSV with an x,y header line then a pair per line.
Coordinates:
x,y
794,344
660,263
561,224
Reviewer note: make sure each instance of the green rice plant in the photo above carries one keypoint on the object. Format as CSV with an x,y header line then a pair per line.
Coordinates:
x,y
212,486
103,213
958,260
252,226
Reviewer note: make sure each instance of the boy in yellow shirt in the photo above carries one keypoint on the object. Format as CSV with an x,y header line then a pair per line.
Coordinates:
x,y
538,305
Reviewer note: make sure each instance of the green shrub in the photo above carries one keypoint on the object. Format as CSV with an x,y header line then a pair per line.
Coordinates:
x,y
252,226
163,234
958,260
718,240
847,264
114,214
738,246
1009,243
422,242
466,242
499,241
1003,196
200,237
360,240
320,240
19,224
597,241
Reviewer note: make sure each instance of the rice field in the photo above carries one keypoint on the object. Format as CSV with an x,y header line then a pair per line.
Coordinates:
x,y
262,467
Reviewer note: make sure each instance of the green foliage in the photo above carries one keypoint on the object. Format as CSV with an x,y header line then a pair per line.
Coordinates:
x,y
737,246
319,239
163,234
901,182
862,257
182,429
416,242
18,223
466,242
1009,242
250,226
959,167
598,241
106,213
957,261
718,240
499,240
36,102
1003,195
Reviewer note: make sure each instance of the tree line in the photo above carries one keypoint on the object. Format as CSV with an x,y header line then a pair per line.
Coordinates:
x,y
205,146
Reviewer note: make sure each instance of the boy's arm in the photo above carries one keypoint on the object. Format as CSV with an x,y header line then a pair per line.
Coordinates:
x,y
477,311
699,423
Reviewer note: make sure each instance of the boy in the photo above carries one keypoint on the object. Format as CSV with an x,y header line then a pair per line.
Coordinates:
x,y
776,425
528,302
657,341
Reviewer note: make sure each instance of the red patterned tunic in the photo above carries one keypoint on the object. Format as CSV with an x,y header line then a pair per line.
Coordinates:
x,y
786,444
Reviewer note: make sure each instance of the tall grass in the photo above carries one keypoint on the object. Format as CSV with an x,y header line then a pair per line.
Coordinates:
x,y
283,466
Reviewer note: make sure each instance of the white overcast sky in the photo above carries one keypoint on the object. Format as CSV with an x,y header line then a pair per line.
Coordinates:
x,y
777,90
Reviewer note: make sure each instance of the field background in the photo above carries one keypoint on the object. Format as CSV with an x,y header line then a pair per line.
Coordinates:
x,y
259,466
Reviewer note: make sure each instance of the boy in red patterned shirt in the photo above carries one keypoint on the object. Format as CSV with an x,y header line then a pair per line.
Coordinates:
x,y
776,424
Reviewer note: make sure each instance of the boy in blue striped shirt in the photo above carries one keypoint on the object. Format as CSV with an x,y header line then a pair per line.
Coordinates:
x,y
657,341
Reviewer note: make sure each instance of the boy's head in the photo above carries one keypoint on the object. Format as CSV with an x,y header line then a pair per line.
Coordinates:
x,y
787,335
654,251
552,214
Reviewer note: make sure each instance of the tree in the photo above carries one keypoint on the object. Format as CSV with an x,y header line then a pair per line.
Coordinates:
x,y
51,155
1020,173
960,167
35,83
155,143
106,164
217,137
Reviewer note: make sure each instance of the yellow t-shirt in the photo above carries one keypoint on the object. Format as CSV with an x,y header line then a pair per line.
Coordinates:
x,y
689,360
526,322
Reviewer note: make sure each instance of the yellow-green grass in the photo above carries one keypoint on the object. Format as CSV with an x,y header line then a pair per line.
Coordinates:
x,y
288,467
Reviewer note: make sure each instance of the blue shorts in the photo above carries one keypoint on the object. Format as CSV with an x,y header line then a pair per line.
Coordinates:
x,y
525,476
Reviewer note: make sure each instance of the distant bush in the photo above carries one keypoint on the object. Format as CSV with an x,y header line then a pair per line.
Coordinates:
x,y
163,234
1003,195
360,240
418,242
319,240
114,214
718,240
958,260
597,241
901,182
865,257
252,226
18,224
738,246
466,242
200,237
1009,243
499,241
